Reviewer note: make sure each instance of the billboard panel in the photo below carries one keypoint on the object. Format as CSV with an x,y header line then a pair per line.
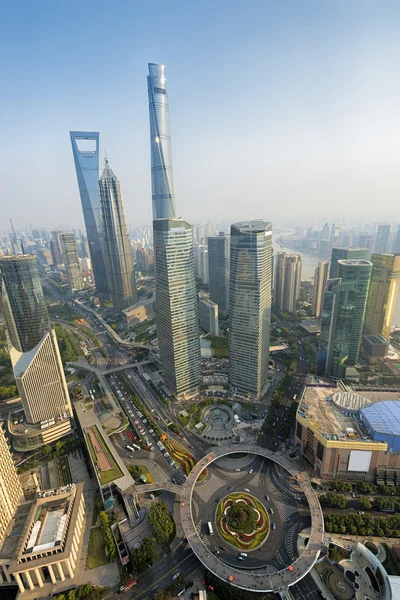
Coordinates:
x,y
359,460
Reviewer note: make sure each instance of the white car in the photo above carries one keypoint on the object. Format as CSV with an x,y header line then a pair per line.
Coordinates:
x,y
246,490
251,471
237,470
175,576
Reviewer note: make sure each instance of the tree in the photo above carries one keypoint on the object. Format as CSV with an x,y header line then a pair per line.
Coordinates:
x,y
161,522
365,502
135,471
71,595
333,500
145,554
108,537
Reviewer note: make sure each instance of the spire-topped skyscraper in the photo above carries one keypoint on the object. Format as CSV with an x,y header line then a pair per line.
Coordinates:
x,y
162,182
117,248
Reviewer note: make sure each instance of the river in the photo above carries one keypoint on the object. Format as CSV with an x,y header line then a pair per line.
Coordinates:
x,y
309,264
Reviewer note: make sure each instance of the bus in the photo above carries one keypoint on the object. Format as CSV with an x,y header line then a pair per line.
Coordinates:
x,y
210,529
136,446
130,448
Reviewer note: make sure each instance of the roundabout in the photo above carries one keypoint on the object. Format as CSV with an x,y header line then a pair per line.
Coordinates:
x,y
244,523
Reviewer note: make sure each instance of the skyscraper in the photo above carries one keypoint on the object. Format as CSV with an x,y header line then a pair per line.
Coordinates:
x,y
320,279
343,314
287,281
396,242
117,247
23,302
218,270
291,291
10,487
85,148
176,305
55,248
345,253
71,262
382,239
249,305
34,355
162,183
382,294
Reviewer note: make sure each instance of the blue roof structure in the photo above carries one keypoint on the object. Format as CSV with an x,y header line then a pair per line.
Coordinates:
x,y
382,419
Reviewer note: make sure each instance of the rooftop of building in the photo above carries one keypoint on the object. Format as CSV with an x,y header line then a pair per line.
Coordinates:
x,y
140,304
377,338
207,300
17,424
311,326
333,411
255,226
355,262
11,257
383,417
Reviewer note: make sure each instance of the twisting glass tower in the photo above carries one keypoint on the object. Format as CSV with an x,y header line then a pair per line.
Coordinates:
x,y
116,244
162,183
85,148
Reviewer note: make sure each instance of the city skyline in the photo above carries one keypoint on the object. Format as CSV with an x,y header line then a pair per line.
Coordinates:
x,y
337,140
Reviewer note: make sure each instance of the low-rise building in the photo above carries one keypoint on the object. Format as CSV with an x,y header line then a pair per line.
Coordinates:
x,y
349,436
138,313
208,315
48,546
374,347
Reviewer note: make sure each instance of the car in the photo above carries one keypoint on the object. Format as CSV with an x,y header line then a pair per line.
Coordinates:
x,y
175,576
251,471
353,495
237,470
223,547
230,488
216,552
240,557
243,554
273,526
267,497
246,490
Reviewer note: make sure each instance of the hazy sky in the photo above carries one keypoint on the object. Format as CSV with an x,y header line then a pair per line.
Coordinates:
x,y
278,108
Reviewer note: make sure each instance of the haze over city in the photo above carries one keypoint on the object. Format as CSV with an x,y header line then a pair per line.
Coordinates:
x,y
278,109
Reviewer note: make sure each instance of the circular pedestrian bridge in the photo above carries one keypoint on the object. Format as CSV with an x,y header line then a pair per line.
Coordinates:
x,y
246,570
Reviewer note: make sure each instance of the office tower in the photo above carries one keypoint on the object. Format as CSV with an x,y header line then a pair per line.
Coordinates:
x,y
117,247
325,232
218,270
55,248
34,355
203,264
23,302
382,294
345,253
382,239
279,278
287,281
162,183
334,231
291,290
39,375
71,262
208,315
10,487
364,240
176,305
85,148
320,279
344,305
84,244
396,242
249,305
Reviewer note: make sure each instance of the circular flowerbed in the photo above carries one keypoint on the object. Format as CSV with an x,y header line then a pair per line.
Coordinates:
x,y
242,521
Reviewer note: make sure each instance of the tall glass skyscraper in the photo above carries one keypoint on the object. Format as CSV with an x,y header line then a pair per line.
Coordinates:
x,y
218,270
345,253
176,305
116,243
382,236
162,183
320,279
343,317
22,300
71,262
382,294
250,305
85,148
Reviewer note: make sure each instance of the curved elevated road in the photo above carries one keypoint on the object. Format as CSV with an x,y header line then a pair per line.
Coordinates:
x,y
276,581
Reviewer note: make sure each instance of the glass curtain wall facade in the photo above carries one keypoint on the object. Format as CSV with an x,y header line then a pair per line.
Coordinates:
x,y
71,262
176,305
162,183
117,246
249,305
343,253
328,321
382,239
85,148
382,294
320,279
23,303
218,270
347,324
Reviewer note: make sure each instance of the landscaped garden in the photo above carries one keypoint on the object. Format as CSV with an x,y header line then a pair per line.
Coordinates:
x,y
242,521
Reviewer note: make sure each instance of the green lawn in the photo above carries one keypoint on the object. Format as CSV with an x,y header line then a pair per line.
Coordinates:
x,y
96,556
104,476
